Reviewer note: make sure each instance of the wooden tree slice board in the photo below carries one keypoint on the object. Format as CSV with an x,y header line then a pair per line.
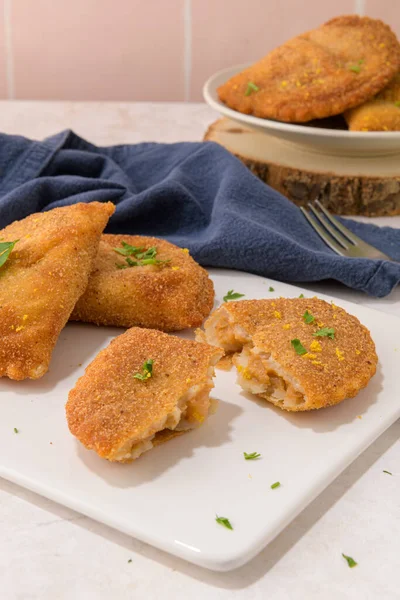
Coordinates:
x,y
368,186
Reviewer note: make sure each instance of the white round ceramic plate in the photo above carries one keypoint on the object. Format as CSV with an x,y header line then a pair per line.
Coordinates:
x,y
320,138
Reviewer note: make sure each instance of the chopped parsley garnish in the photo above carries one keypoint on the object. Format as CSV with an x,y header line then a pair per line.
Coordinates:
x,y
301,296
355,68
147,370
350,561
223,521
275,485
5,250
397,103
251,87
360,62
388,472
141,255
16,430
231,295
251,456
308,317
325,332
271,289
128,250
298,346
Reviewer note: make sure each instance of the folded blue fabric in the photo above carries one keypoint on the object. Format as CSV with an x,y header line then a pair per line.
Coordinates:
x,y
196,195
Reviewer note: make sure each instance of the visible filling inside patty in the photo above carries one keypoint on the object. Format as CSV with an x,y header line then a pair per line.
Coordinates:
x,y
189,413
260,374
222,331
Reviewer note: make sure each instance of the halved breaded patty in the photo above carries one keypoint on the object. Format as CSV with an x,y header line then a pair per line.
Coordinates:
x,y
120,411
46,272
155,285
312,356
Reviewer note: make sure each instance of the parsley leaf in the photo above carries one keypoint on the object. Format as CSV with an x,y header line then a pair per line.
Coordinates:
x,y
275,485
350,561
128,250
308,317
325,332
298,346
251,456
388,472
301,296
355,68
5,250
271,289
397,103
16,430
231,295
223,521
143,257
251,87
147,369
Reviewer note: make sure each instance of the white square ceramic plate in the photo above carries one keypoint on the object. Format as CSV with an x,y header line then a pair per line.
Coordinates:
x,y
170,496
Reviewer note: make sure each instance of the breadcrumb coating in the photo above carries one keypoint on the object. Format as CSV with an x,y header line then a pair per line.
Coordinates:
x,y
45,274
119,416
170,296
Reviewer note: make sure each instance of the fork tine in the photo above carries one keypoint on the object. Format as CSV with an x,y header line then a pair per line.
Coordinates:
x,y
334,233
346,232
329,241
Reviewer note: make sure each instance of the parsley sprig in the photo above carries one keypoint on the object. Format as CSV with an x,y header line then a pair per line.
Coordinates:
x,y
350,561
275,485
308,317
223,521
325,332
251,456
5,250
298,346
141,256
147,370
251,87
231,295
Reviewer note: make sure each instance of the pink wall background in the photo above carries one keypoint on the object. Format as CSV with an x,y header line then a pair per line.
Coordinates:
x,y
160,50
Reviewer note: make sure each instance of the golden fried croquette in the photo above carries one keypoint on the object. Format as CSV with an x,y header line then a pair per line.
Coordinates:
x,y
171,293
317,74
381,113
46,272
145,387
312,355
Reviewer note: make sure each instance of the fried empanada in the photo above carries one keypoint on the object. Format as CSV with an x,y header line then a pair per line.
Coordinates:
x,y
382,113
43,277
318,74
143,389
146,282
312,355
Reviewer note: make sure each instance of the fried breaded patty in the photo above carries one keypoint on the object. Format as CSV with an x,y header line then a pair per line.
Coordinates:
x,y
381,113
169,296
321,73
45,274
312,355
120,416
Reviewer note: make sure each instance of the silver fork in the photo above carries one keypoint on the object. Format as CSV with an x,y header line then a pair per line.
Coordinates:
x,y
337,236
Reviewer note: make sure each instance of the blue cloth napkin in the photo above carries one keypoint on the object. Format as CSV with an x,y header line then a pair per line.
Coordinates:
x,y
196,195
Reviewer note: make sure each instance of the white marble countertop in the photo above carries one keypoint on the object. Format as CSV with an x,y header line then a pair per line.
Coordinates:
x,y
48,552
